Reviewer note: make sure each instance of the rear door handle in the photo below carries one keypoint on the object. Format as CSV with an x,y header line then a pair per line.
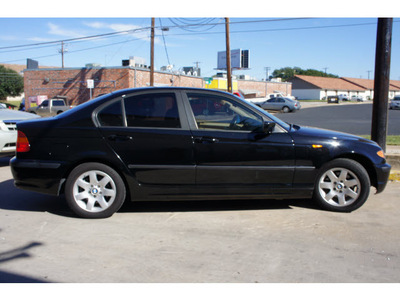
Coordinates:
x,y
206,140
117,137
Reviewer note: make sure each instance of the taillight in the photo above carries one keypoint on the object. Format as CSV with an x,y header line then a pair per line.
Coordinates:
x,y
22,142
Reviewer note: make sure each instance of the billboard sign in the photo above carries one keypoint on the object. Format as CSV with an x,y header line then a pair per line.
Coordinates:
x,y
238,59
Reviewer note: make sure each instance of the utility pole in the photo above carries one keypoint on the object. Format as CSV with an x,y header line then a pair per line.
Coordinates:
x,y
267,70
368,73
62,50
152,53
381,83
228,56
326,68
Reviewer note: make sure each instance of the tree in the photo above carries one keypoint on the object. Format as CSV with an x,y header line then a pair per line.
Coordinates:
x,y
288,72
11,83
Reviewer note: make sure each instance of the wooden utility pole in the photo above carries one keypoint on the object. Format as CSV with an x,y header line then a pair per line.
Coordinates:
x,y
228,56
381,83
62,50
152,53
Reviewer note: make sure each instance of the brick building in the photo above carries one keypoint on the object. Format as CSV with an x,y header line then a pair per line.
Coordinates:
x,y
72,82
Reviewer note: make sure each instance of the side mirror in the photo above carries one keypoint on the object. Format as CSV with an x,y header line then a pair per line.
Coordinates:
x,y
269,127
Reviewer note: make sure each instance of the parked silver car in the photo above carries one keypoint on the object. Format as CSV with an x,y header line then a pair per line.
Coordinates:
x,y
282,104
8,129
395,103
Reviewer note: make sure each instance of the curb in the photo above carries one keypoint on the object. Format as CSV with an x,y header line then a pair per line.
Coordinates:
x,y
394,176
394,161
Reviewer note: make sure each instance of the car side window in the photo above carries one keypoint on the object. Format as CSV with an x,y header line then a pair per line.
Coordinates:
x,y
154,110
220,113
111,115
58,103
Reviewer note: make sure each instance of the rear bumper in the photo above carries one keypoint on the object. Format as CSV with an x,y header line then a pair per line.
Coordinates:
x,y
38,176
382,176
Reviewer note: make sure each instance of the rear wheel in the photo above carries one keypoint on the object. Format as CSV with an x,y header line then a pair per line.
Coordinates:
x,y
285,109
94,190
342,185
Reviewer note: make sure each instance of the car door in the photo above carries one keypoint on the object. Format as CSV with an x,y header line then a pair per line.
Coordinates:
x,y
229,150
147,132
44,109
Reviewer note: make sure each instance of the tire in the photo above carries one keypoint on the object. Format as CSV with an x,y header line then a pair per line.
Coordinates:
x,y
342,185
285,109
94,190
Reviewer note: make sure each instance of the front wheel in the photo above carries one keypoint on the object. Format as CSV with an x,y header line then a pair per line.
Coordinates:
x,y
342,185
94,190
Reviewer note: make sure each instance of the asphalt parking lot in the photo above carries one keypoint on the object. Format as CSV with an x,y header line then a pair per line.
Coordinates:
x,y
216,242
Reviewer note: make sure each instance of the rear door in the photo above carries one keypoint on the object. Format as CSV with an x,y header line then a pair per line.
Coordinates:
x,y
149,134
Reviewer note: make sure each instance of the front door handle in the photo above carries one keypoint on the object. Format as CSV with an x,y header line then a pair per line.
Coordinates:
x,y
206,140
117,137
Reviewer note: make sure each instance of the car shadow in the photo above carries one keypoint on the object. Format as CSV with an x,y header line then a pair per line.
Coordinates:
x,y
5,161
215,205
12,198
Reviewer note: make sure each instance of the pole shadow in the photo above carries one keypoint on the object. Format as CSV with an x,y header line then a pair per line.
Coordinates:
x,y
18,253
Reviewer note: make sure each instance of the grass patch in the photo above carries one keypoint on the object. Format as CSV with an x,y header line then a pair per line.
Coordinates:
x,y
393,140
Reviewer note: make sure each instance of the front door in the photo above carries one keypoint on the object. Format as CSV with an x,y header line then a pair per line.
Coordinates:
x,y
230,153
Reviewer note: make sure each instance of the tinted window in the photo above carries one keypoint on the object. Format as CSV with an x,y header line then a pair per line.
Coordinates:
x,y
220,113
45,103
58,103
154,110
111,115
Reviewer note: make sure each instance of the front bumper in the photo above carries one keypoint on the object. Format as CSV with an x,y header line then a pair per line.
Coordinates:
x,y
382,176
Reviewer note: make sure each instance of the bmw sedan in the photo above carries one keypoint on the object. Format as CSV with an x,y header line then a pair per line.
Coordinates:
x,y
284,105
162,144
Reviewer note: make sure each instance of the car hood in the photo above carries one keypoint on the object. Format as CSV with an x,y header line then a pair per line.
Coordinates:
x,y
8,114
317,133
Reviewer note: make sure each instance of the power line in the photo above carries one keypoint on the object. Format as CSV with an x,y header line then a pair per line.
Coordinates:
x,y
107,35
165,44
138,29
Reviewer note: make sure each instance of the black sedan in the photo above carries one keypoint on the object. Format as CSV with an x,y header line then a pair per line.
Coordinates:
x,y
161,144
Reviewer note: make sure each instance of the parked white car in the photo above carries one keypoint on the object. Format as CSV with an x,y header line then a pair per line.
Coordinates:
x,y
395,103
8,129
358,98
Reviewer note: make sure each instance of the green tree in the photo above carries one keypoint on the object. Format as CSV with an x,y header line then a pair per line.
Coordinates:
x,y
288,72
11,83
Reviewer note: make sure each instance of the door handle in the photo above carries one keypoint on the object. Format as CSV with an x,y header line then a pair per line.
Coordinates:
x,y
206,140
115,137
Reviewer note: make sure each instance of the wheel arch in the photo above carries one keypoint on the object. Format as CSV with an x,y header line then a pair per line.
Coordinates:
x,y
366,163
112,164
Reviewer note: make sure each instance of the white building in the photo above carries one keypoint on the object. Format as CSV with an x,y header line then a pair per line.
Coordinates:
x,y
314,87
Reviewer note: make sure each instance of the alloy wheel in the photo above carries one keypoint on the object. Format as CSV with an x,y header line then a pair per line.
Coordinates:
x,y
339,187
94,191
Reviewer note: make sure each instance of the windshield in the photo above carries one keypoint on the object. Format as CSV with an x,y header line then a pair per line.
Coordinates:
x,y
281,123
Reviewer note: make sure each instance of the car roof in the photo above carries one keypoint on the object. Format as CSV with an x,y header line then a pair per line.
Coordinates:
x,y
172,88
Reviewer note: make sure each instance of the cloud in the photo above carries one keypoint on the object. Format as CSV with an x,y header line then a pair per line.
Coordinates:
x,y
137,32
57,30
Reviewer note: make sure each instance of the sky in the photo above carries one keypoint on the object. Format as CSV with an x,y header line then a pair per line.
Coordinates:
x,y
336,43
